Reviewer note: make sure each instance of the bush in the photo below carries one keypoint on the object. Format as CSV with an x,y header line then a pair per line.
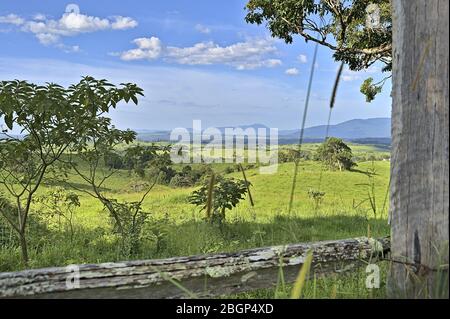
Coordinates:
x,y
182,181
229,170
132,219
290,155
226,194
189,176
316,196
113,160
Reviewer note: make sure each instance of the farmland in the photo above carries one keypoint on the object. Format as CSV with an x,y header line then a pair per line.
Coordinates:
x,y
175,227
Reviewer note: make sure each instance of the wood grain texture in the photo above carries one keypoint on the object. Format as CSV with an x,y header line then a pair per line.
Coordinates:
x,y
203,275
419,195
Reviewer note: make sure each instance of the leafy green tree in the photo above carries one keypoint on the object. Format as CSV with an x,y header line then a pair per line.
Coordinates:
x,y
127,218
339,25
113,160
226,193
137,157
335,154
162,164
53,120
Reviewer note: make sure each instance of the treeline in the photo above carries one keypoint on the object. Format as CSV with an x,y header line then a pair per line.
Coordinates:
x,y
153,163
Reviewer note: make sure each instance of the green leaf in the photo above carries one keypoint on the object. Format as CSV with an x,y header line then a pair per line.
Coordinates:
x,y
9,121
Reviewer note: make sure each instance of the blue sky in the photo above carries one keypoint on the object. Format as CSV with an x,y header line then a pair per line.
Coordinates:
x,y
194,60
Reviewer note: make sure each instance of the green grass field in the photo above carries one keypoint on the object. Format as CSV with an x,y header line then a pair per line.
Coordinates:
x,y
177,228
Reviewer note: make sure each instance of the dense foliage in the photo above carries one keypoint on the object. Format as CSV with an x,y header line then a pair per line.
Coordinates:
x,y
225,193
335,154
53,120
338,25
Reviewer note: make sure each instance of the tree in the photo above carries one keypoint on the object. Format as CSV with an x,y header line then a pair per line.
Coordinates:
x,y
335,154
419,195
113,160
223,194
337,24
136,158
52,120
127,217
162,164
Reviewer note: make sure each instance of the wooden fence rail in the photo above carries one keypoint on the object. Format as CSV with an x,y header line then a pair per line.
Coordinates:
x,y
201,276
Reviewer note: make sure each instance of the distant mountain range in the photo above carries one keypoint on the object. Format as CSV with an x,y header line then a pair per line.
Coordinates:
x,y
367,131
353,129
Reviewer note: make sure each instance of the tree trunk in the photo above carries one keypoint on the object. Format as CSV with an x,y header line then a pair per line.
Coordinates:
x,y
419,194
24,248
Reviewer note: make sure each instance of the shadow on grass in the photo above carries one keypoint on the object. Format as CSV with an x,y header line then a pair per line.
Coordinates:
x,y
170,238
368,174
74,186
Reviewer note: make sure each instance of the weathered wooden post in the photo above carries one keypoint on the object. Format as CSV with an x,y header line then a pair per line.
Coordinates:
x,y
420,149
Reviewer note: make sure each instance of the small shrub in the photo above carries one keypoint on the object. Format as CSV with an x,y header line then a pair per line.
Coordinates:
x,y
157,231
228,170
182,181
316,196
226,194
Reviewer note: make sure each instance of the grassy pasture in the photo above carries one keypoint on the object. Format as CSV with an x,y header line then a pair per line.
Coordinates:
x,y
177,228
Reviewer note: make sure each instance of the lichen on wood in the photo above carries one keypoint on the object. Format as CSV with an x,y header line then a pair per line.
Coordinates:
x,y
204,275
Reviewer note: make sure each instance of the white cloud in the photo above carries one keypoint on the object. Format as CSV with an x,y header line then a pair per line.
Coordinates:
x,y
123,23
292,71
242,98
72,23
202,29
302,58
39,17
47,38
148,48
250,54
12,19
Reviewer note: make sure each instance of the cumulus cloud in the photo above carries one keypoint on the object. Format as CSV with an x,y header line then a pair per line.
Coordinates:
x,y
123,23
147,48
202,29
302,58
247,55
12,19
292,71
72,22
